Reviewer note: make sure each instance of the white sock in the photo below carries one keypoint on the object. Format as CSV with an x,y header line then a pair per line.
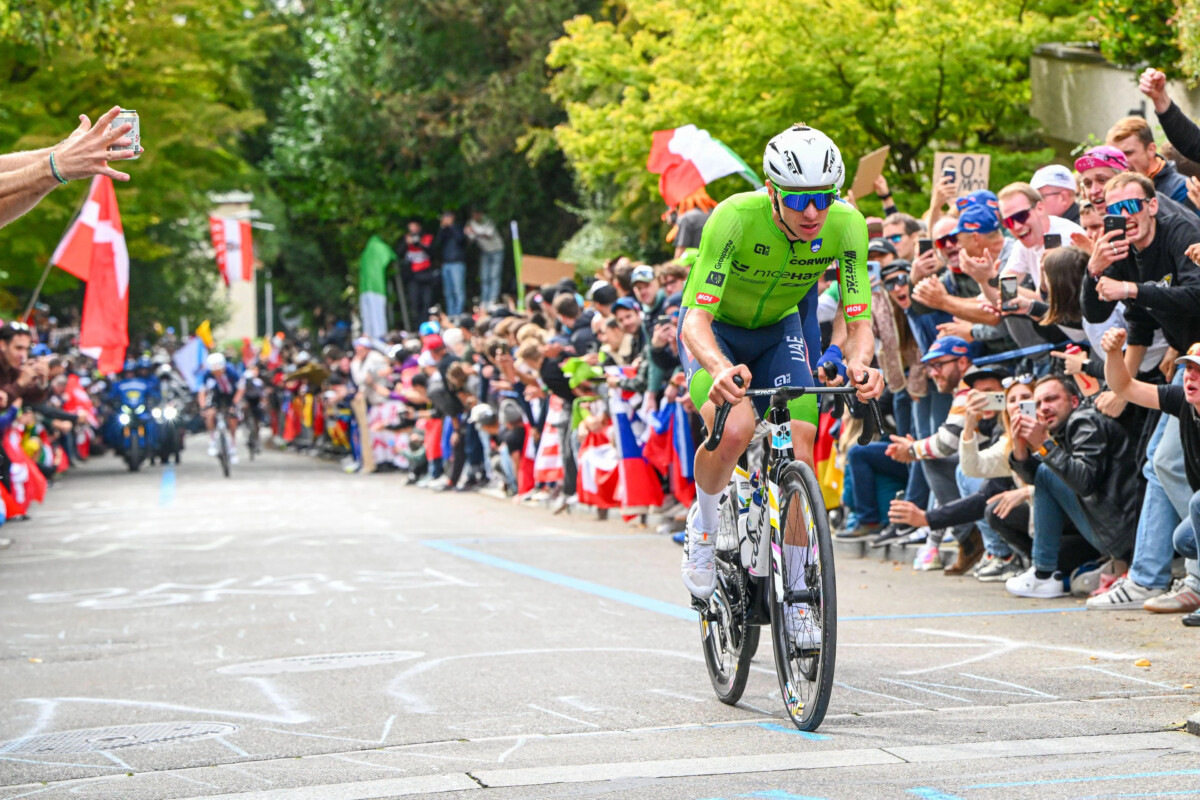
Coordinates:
x,y
707,516
795,558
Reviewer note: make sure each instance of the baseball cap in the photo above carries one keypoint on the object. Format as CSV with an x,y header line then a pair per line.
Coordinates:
x,y
426,359
899,265
642,274
595,287
1103,156
946,346
605,296
1192,356
977,218
881,246
433,342
627,303
1056,176
451,337
482,414
362,341
975,373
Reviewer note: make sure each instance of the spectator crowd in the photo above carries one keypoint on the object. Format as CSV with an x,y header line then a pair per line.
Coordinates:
x,y
1040,345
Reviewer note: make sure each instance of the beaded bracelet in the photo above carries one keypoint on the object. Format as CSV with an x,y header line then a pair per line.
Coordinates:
x,y
54,169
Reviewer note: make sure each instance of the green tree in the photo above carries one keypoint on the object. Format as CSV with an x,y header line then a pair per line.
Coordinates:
x,y
181,65
945,73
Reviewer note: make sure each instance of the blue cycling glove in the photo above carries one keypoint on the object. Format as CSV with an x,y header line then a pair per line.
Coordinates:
x,y
833,356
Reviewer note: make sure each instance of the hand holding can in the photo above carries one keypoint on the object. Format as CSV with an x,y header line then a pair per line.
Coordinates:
x,y
128,115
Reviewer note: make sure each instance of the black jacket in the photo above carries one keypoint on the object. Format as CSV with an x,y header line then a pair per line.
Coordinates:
x,y
1095,458
1168,283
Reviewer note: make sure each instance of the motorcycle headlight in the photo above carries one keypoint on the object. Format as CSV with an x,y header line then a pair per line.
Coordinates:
x,y
123,419
170,413
141,409
156,413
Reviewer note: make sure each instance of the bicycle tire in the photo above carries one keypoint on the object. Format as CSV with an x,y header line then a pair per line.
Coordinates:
x,y
727,641
134,456
223,451
805,678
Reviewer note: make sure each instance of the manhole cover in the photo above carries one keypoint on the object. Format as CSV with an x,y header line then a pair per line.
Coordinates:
x,y
91,740
319,663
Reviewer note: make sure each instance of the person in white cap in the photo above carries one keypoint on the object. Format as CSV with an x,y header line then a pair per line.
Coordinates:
x,y
1057,186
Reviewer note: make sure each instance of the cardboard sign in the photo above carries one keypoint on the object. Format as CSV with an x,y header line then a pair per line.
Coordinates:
x,y
972,169
539,270
870,167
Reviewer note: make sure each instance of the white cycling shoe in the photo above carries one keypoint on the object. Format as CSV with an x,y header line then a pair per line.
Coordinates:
x,y
802,627
233,457
699,571
212,447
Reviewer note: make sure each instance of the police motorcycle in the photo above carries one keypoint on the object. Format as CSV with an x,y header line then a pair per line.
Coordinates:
x,y
168,417
136,431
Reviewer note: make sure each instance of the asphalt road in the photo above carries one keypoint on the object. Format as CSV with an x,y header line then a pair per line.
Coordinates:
x,y
295,633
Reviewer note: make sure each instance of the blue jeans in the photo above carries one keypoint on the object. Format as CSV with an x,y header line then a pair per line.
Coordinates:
x,y
1185,537
454,276
490,265
1053,504
1152,550
864,463
508,468
994,543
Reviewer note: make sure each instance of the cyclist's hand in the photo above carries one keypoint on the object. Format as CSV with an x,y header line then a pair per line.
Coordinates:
x,y
724,390
869,382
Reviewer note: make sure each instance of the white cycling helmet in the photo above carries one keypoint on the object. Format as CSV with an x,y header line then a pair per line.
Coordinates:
x,y
803,158
215,361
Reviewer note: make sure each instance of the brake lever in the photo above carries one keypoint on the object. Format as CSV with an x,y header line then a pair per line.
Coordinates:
x,y
718,430
839,405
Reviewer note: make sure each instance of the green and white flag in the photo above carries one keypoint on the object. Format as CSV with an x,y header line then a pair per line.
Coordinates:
x,y
372,286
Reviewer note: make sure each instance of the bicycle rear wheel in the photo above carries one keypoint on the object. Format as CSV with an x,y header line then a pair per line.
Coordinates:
x,y
727,640
805,675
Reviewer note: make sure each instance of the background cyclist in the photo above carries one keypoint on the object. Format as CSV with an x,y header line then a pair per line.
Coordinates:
x,y
220,391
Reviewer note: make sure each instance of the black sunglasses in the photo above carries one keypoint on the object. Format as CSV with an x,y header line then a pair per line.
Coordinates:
x,y
896,281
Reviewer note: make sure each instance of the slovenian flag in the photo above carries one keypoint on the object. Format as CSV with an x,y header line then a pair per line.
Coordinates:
x,y
688,158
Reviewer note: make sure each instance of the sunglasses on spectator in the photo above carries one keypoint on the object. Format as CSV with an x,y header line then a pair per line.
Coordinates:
x,y
895,238
895,281
943,242
1133,205
1026,379
1019,218
798,201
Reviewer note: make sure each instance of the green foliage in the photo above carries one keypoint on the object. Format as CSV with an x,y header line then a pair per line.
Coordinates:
x,y
946,73
1136,32
410,108
181,66
46,25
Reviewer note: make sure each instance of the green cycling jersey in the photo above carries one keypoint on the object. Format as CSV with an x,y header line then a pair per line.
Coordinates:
x,y
748,274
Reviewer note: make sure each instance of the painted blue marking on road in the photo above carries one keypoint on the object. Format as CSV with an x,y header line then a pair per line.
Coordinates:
x,y
1087,780
771,726
607,592
930,793
672,609
166,489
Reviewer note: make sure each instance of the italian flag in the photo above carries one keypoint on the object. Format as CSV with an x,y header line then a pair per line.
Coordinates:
x,y
688,159
372,286
235,249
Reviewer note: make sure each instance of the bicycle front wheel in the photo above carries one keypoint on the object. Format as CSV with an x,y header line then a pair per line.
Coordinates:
x,y
803,621
223,444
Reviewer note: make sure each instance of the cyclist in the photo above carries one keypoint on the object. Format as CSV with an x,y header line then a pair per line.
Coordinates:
x,y
760,254
255,393
220,391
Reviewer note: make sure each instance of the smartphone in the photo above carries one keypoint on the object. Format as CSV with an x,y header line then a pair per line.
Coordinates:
x,y
950,172
1051,240
995,402
664,319
1008,292
924,246
1114,222
1029,408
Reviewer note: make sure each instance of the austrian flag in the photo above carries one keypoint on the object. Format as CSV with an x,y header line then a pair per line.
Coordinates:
x,y
235,248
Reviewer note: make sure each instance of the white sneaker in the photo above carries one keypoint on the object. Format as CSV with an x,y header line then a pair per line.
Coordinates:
x,y
699,572
212,447
233,457
1123,594
802,628
1028,584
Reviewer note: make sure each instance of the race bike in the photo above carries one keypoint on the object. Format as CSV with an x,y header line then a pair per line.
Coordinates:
x,y
774,498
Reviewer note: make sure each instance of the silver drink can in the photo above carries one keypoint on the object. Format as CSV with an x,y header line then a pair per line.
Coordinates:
x,y
135,135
